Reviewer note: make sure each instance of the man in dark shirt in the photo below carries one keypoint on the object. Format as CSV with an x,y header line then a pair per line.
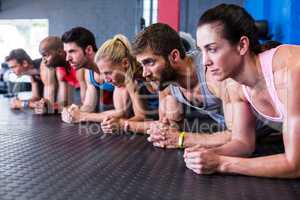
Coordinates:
x,y
21,64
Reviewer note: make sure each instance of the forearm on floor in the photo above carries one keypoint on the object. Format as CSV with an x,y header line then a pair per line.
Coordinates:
x,y
87,108
207,140
235,148
136,126
99,117
274,166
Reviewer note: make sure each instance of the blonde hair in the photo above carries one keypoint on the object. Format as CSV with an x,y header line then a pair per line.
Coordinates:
x,y
116,49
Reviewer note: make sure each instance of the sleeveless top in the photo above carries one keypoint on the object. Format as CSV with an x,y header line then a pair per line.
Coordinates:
x,y
211,105
37,76
150,98
105,90
266,59
69,76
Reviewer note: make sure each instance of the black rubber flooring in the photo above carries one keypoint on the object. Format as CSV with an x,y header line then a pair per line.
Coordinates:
x,y
43,158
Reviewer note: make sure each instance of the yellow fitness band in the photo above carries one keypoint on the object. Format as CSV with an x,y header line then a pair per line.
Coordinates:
x,y
181,139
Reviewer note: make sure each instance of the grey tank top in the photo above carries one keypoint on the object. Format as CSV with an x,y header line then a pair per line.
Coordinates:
x,y
211,105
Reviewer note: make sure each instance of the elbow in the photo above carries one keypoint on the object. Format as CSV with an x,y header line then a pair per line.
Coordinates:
x,y
247,149
293,169
248,152
139,117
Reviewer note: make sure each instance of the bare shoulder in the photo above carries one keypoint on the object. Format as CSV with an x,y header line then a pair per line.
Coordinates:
x,y
164,92
131,87
47,74
232,91
286,57
80,74
59,75
86,76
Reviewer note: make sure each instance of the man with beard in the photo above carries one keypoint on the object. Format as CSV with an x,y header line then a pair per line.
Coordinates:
x,y
80,47
182,80
60,73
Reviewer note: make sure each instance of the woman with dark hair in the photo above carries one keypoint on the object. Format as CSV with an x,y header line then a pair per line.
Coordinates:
x,y
269,81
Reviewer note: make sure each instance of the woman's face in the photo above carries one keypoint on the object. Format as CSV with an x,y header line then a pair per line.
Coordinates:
x,y
221,58
113,73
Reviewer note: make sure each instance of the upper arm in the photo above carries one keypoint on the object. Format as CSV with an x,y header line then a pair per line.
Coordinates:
x,y
59,75
161,96
291,125
90,100
121,100
138,104
48,76
35,89
239,116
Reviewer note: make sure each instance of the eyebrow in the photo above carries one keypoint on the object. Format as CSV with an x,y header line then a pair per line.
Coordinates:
x,y
71,50
147,60
12,66
207,46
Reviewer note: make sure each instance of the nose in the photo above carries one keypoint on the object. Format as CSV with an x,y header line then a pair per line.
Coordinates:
x,y
68,57
146,72
206,60
15,71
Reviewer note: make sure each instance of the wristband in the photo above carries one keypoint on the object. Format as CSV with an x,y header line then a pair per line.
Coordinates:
x,y
181,139
25,103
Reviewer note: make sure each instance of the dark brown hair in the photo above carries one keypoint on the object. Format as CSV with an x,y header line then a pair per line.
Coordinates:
x,y
81,36
235,21
19,55
160,38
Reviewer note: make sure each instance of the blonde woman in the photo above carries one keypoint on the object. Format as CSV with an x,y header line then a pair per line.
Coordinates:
x,y
134,98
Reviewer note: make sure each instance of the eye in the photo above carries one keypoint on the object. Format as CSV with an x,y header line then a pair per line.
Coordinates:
x,y
148,62
212,50
107,73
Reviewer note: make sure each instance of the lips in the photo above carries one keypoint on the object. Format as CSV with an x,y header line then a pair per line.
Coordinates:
x,y
149,79
213,71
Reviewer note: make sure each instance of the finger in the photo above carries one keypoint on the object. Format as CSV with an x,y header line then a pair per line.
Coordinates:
x,y
192,154
148,131
201,169
193,148
157,137
171,147
72,107
104,123
106,126
111,120
149,139
66,117
157,144
107,131
106,119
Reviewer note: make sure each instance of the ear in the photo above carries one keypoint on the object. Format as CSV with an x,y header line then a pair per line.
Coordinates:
x,y
174,56
89,50
61,52
125,63
25,64
243,45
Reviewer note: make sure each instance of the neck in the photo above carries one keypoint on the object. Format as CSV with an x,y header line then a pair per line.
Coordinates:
x,y
30,70
91,65
187,73
94,67
250,71
63,63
